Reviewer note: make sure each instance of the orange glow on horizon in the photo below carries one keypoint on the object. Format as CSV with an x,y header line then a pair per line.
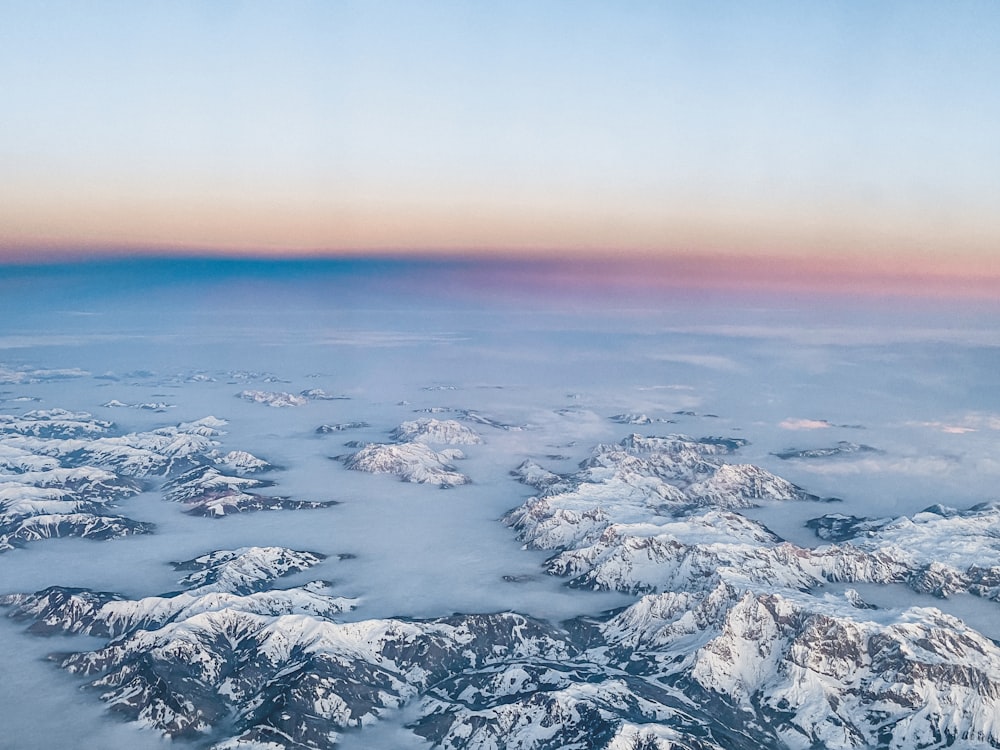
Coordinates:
x,y
623,272
732,247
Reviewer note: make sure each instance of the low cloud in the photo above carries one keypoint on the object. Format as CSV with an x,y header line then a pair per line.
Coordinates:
x,y
804,424
967,423
914,466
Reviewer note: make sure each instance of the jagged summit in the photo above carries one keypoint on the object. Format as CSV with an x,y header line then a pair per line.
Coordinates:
x,y
735,638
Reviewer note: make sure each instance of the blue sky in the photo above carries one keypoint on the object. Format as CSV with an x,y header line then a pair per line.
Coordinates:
x,y
809,129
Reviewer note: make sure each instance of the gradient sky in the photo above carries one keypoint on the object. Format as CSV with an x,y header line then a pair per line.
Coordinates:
x,y
835,132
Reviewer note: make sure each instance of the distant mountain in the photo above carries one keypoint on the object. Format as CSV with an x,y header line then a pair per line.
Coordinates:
x,y
842,448
411,462
278,399
443,432
64,474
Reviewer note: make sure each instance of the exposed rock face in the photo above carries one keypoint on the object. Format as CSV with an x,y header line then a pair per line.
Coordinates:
x,y
732,645
836,527
48,488
238,579
722,668
944,550
277,660
822,672
18,530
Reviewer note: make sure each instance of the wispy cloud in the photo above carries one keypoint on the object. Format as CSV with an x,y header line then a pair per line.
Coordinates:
x,y
847,335
973,422
927,466
388,338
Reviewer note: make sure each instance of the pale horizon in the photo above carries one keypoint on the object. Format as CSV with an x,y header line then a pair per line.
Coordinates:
x,y
826,142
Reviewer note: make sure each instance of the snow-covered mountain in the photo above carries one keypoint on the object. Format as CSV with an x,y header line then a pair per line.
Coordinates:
x,y
725,667
277,399
325,429
276,660
243,462
651,514
736,640
444,432
206,491
411,459
411,462
944,550
812,671
65,473
842,448
631,418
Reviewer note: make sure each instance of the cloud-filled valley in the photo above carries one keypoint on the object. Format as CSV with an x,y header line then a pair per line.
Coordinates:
x,y
409,447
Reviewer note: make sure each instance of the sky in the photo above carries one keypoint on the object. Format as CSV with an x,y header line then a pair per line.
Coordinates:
x,y
837,137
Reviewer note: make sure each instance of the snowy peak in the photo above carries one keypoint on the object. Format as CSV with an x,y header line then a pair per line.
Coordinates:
x,y
411,462
443,432
206,491
245,570
243,462
744,486
647,506
270,665
943,550
53,423
61,472
276,399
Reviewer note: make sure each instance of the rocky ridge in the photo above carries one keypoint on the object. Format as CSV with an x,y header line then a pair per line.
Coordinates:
x,y
736,641
410,457
65,473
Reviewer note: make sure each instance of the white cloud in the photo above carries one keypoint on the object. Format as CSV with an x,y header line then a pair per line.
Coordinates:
x,y
665,388
804,424
972,422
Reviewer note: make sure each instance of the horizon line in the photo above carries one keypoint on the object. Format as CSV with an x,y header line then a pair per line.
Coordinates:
x,y
616,270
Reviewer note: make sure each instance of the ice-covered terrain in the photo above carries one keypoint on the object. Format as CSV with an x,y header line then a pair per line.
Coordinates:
x,y
704,525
